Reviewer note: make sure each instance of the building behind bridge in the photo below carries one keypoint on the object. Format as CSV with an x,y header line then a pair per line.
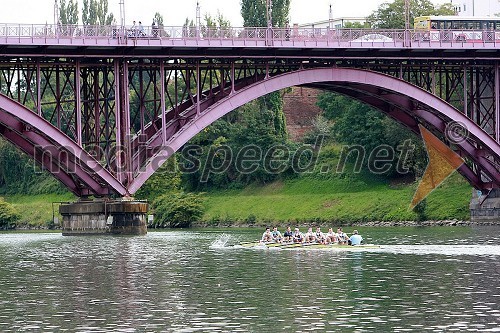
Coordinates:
x,y
485,8
334,23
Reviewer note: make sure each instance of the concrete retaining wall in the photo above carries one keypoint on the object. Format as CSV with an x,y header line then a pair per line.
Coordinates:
x,y
485,210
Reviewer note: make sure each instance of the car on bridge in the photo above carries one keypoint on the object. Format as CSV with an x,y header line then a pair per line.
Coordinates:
x,y
373,37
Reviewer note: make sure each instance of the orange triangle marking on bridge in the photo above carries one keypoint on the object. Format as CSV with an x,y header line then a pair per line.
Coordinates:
x,y
442,163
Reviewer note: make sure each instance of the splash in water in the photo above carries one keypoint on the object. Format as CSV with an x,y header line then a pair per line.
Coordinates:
x,y
220,242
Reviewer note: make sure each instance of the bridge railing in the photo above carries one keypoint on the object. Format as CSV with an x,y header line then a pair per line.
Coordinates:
x,y
20,33
174,32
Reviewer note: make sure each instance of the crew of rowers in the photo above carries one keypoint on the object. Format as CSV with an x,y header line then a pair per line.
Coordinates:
x,y
317,237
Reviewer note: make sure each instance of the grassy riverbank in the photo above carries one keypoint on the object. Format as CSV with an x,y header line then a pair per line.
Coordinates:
x,y
37,210
337,200
301,200
319,198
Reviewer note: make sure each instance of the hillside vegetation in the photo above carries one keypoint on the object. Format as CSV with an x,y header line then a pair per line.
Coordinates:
x,y
334,198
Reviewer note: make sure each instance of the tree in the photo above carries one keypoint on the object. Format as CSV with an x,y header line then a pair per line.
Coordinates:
x,y
95,12
216,26
103,17
68,13
356,25
357,124
89,12
255,15
392,15
158,18
167,179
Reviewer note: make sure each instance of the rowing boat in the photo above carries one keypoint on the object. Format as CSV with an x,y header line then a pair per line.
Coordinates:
x,y
261,245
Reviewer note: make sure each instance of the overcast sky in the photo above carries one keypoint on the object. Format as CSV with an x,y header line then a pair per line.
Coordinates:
x,y
175,11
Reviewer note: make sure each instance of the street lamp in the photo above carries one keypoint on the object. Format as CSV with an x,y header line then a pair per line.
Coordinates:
x,y
407,23
407,14
122,13
56,13
198,19
330,17
269,13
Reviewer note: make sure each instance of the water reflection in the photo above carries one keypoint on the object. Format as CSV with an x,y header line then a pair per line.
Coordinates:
x,y
434,279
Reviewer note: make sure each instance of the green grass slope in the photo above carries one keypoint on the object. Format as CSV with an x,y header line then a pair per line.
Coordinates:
x,y
37,210
346,200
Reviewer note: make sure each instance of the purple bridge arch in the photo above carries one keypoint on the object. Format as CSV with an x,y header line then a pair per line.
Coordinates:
x,y
55,151
404,102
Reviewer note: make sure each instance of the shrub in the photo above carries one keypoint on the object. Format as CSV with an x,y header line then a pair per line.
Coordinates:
x,y
8,214
177,209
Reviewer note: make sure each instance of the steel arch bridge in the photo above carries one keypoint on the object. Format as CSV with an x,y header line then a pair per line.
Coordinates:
x,y
102,110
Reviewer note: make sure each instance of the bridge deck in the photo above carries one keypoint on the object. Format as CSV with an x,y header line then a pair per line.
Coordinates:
x,y
248,42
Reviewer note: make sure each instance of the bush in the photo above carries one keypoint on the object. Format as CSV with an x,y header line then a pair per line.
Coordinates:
x,y
177,209
8,214
420,210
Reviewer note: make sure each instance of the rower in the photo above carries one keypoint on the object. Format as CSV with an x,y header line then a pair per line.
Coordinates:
x,y
297,236
267,236
288,235
310,237
320,237
331,237
342,237
276,235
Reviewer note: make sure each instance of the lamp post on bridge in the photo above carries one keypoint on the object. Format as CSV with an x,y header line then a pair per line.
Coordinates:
x,y
198,19
330,18
269,13
269,17
56,13
122,13
407,23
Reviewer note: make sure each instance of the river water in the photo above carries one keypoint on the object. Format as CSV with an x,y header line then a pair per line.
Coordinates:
x,y
440,279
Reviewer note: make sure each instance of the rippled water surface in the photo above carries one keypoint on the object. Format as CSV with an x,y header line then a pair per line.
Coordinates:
x,y
420,280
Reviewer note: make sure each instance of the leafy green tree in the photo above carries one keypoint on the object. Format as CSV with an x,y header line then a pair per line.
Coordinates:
x,y
68,13
103,16
392,15
95,12
19,174
158,18
216,22
356,25
189,28
247,129
89,12
360,125
254,15
165,180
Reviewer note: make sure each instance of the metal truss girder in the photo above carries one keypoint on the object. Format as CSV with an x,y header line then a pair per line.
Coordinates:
x,y
99,112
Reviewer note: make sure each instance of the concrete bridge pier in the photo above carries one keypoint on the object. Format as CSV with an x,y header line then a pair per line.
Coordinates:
x,y
485,207
98,217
